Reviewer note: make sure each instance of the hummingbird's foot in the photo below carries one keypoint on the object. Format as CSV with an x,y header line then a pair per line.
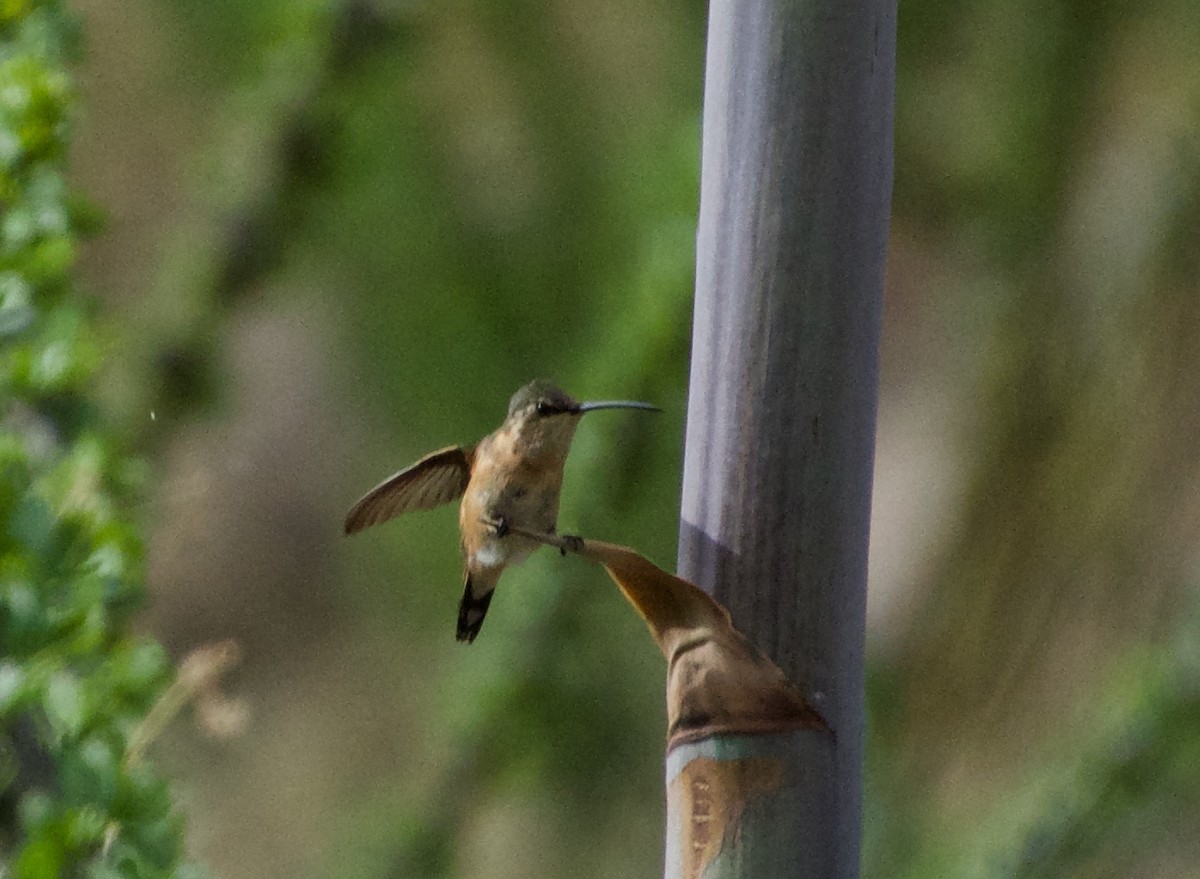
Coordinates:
x,y
498,524
570,543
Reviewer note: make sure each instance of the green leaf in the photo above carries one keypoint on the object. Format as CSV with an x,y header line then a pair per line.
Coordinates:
x,y
12,683
42,858
64,704
16,310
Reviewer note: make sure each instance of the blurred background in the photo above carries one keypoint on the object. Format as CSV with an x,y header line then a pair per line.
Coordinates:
x,y
340,234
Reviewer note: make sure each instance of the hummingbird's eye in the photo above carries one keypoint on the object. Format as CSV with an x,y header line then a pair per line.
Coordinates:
x,y
544,408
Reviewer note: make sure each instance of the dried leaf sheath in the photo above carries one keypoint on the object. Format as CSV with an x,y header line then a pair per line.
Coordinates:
x,y
718,683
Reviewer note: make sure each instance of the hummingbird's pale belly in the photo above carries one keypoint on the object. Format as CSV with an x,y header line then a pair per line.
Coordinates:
x,y
496,553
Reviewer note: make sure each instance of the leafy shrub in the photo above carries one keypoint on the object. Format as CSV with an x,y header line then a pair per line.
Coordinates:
x,y
74,684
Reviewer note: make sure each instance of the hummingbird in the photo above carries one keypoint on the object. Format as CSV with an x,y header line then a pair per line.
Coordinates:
x,y
510,479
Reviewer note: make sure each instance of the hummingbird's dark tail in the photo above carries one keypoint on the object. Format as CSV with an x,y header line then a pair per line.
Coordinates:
x,y
477,595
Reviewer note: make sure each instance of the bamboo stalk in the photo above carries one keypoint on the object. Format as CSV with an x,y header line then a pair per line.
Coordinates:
x,y
795,194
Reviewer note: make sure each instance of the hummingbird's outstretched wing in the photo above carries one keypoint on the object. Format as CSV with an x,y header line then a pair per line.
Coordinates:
x,y
436,479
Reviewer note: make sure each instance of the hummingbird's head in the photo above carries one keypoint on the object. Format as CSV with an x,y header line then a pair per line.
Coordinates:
x,y
540,399
544,417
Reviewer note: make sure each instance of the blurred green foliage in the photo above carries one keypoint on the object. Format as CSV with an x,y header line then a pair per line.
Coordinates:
x,y
1041,168
344,232
73,681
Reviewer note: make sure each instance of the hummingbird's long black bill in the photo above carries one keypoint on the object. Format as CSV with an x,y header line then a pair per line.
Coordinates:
x,y
616,404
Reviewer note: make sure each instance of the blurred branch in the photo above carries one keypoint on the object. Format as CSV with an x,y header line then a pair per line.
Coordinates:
x,y
197,681
323,51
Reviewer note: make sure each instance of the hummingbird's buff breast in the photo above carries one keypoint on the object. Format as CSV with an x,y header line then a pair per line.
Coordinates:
x,y
523,491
